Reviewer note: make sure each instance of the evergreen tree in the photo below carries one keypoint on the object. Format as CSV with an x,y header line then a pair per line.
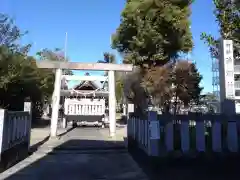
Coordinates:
x,y
152,32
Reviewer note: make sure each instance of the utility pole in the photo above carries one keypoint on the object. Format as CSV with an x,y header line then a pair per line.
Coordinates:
x,y
64,121
65,46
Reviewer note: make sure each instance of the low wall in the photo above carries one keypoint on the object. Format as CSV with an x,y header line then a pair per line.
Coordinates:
x,y
15,132
161,135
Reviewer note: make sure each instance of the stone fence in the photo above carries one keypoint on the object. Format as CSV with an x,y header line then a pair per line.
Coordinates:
x,y
15,131
161,135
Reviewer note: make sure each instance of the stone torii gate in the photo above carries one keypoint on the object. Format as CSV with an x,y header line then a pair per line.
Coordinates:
x,y
84,66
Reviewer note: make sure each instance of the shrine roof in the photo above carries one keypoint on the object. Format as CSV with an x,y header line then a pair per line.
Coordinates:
x,y
94,84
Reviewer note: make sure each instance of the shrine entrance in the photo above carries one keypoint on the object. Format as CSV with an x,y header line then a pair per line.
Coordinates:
x,y
86,102
111,68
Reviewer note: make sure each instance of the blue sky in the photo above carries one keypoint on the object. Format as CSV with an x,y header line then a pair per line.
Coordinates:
x,y
90,24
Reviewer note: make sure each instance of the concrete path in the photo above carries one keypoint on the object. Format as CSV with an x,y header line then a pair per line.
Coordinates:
x,y
80,154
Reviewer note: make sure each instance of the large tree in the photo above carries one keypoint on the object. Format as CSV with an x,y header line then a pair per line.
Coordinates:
x,y
157,83
227,15
20,77
152,35
166,87
186,80
153,31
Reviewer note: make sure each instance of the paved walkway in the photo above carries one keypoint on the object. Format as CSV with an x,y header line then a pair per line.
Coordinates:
x,y
80,154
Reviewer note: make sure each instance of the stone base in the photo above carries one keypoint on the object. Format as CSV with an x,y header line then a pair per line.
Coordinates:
x,y
112,135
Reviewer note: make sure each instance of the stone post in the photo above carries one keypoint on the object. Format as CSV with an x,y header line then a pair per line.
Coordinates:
x,y
28,108
2,120
154,134
112,103
64,123
124,109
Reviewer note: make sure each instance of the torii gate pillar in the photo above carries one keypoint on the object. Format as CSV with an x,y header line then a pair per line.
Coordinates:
x,y
112,103
55,102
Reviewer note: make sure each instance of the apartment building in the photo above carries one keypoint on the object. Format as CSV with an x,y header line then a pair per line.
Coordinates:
x,y
229,74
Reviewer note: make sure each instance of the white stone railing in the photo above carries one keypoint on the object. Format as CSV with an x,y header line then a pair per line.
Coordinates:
x,y
84,107
237,84
237,69
161,134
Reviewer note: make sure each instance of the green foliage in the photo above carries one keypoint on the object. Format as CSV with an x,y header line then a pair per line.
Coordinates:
x,y
10,34
164,86
54,55
157,82
151,34
227,15
119,90
186,80
110,58
153,31
19,76
134,90
119,86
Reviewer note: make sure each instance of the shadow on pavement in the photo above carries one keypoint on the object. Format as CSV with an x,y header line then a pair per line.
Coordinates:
x,y
18,153
81,159
122,120
97,160
202,167
67,131
35,147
